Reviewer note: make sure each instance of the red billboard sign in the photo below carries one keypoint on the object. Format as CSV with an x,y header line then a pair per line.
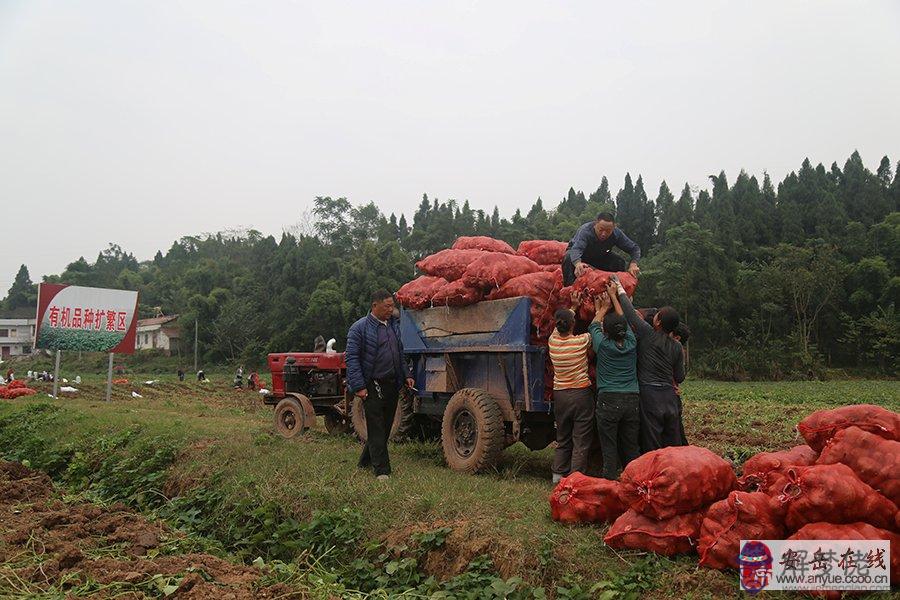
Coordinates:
x,y
72,317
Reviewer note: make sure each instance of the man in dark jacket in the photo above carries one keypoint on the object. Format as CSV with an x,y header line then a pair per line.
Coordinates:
x,y
592,246
660,366
376,372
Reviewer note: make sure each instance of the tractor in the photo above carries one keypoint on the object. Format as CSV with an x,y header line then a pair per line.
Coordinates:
x,y
307,384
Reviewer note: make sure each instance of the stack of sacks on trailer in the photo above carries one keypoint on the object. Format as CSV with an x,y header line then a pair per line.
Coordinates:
x,y
843,484
482,268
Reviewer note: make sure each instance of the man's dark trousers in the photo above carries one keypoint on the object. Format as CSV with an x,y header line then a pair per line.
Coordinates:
x,y
380,404
660,418
605,261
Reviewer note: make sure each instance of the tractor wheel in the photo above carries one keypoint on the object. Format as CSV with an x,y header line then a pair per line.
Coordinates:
x,y
290,418
336,424
472,431
358,419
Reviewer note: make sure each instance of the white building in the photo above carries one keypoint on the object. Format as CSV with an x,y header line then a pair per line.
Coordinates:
x,y
158,333
16,337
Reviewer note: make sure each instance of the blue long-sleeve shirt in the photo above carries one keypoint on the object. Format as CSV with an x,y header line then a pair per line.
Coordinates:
x,y
586,238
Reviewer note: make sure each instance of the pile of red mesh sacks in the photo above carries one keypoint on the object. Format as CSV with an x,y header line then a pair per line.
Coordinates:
x,y
15,389
482,268
844,484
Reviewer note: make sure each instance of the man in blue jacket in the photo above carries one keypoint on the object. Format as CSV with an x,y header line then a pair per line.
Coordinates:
x,y
376,372
592,246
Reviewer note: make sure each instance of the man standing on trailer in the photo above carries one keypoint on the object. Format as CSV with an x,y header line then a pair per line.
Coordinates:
x,y
592,247
376,373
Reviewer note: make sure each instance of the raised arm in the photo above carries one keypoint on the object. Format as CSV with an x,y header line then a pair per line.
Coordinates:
x,y
640,326
612,292
601,307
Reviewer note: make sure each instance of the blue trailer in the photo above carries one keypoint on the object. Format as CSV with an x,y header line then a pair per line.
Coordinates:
x,y
479,378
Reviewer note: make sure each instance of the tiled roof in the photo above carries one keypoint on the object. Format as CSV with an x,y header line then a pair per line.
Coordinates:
x,y
156,320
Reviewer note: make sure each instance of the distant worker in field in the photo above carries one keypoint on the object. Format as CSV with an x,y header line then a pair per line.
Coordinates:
x,y
253,381
660,367
201,376
180,374
592,246
573,399
376,372
319,344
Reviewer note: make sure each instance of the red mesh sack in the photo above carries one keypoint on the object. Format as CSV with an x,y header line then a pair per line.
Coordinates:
x,y
766,471
833,494
417,293
449,264
16,383
582,499
493,269
456,293
482,242
676,535
820,426
543,252
853,531
543,289
874,459
18,392
676,480
552,268
593,283
741,516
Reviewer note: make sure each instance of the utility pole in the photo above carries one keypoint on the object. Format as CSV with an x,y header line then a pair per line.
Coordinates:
x,y
196,329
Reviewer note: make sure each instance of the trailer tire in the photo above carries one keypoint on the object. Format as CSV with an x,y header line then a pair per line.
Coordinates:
x,y
472,431
358,419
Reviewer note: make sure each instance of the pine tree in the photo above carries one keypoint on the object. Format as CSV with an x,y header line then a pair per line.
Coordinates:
x,y
747,203
665,211
601,198
702,210
770,233
722,216
645,235
22,293
684,208
862,194
884,172
628,212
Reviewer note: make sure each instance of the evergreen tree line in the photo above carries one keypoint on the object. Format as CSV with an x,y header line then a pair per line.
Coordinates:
x,y
775,282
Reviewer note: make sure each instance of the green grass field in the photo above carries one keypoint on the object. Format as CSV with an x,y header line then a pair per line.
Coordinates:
x,y
225,442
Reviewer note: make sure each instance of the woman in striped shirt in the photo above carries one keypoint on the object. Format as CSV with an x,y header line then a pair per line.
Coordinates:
x,y
573,402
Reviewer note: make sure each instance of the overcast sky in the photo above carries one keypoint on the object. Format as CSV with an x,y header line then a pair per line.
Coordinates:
x,y
140,122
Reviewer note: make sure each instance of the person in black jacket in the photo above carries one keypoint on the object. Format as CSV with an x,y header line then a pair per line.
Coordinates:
x,y
660,367
376,373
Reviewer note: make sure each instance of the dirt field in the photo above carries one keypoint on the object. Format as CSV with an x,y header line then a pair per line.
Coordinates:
x,y
109,551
